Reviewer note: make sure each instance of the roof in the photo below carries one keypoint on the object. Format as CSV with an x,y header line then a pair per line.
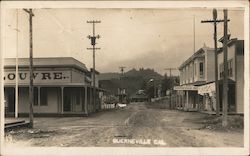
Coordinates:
x,y
196,83
204,83
140,94
96,72
198,54
46,62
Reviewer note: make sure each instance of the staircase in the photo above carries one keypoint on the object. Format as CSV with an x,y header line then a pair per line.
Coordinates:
x,y
15,124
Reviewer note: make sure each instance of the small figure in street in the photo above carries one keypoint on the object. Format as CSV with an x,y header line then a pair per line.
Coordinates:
x,y
115,105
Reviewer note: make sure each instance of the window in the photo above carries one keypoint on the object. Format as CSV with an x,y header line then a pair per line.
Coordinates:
x,y
201,69
35,96
44,97
221,70
230,69
194,69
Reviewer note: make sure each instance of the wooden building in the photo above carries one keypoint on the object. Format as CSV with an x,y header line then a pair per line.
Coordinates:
x,y
196,70
62,86
235,75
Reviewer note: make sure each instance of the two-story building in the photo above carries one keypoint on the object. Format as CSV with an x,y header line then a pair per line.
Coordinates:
x,y
197,87
61,86
235,61
196,70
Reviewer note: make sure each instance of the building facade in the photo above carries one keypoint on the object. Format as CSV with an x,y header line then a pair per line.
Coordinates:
x,y
61,86
235,63
197,87
196,70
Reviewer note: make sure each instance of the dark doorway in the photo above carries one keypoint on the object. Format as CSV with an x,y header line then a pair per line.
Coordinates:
x,y
67,100
231,96
10,99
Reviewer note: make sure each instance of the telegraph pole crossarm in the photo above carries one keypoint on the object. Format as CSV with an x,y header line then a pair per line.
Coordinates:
x,y
93,43
212,21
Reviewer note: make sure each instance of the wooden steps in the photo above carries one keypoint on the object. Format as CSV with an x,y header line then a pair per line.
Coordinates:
x,y
15,124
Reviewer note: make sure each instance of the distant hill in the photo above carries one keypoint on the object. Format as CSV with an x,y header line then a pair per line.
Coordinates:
x,y
146,74
133,80
109,76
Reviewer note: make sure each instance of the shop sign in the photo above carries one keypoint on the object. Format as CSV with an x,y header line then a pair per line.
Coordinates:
x,y
39,77
208,88
186,87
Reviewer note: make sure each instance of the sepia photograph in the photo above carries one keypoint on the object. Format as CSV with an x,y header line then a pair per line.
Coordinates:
x,y
100,76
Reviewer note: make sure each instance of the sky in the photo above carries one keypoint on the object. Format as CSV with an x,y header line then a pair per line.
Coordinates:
x,y
134,38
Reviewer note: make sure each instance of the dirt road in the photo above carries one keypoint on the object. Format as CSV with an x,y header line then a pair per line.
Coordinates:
x,y
136,125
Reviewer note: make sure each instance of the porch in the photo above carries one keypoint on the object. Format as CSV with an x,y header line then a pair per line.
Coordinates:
x,y
67,100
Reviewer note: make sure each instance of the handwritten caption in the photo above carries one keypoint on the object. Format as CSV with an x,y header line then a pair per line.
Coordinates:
x,y
139,141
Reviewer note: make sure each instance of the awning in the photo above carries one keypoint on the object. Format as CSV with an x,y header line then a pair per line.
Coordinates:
x,y
186,87
207,88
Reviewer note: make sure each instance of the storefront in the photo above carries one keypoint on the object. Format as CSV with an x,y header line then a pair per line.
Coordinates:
x,y
207,91
187,97
61,87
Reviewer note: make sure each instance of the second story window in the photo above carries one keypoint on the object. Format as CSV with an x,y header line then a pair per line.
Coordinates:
x,y
201,69
221,70
230,69
194,69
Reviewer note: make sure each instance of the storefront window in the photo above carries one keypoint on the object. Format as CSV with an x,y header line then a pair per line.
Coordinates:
x,y
230,68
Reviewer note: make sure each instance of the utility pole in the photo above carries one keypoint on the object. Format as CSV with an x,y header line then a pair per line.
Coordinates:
x,y
93,43
225,75
170,74
215,21
31,94
121,90
194,31
16,88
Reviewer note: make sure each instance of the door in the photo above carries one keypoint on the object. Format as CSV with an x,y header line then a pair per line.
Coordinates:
x,y
67,100
10,99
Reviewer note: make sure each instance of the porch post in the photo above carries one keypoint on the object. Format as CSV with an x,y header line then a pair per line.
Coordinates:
x,y
16,100
197,102
187,99
179,105
90,99
62,101
86,100
39,96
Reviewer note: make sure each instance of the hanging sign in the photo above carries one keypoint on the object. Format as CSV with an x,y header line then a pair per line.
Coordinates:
x,y
208,88
186,87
